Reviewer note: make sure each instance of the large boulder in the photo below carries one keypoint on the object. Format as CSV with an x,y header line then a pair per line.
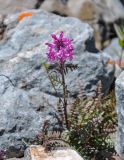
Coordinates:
x,y
116,54
24,86
120,113
114,50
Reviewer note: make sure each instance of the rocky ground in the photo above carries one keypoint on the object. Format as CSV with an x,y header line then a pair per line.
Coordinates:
x,y
21,53
24,87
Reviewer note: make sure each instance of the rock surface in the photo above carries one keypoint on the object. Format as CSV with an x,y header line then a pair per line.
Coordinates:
x,y
114,50
120,112
37,153
24,82
116,54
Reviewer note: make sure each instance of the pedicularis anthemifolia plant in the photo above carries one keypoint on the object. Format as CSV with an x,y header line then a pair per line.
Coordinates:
x,y
90,120
60,51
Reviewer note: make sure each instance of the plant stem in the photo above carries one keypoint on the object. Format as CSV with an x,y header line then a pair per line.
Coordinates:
x,y
64,94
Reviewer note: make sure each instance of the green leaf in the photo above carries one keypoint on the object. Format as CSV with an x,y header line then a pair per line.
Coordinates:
x,y
46,65
121,43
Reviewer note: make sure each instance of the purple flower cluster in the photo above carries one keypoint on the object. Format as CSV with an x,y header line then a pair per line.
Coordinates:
x,y
61,49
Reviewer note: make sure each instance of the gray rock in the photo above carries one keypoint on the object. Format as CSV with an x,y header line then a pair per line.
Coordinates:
x,y
120,113
23,108
114,50
115,53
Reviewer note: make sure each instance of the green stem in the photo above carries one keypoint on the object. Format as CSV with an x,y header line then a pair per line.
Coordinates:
x,y
64,94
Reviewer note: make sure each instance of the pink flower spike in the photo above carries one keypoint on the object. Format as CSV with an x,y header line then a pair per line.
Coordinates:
x,y
61,49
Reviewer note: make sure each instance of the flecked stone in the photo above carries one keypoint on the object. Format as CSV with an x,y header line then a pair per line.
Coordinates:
x,y
120,112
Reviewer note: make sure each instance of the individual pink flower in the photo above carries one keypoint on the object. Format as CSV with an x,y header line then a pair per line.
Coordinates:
x,y
61,49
